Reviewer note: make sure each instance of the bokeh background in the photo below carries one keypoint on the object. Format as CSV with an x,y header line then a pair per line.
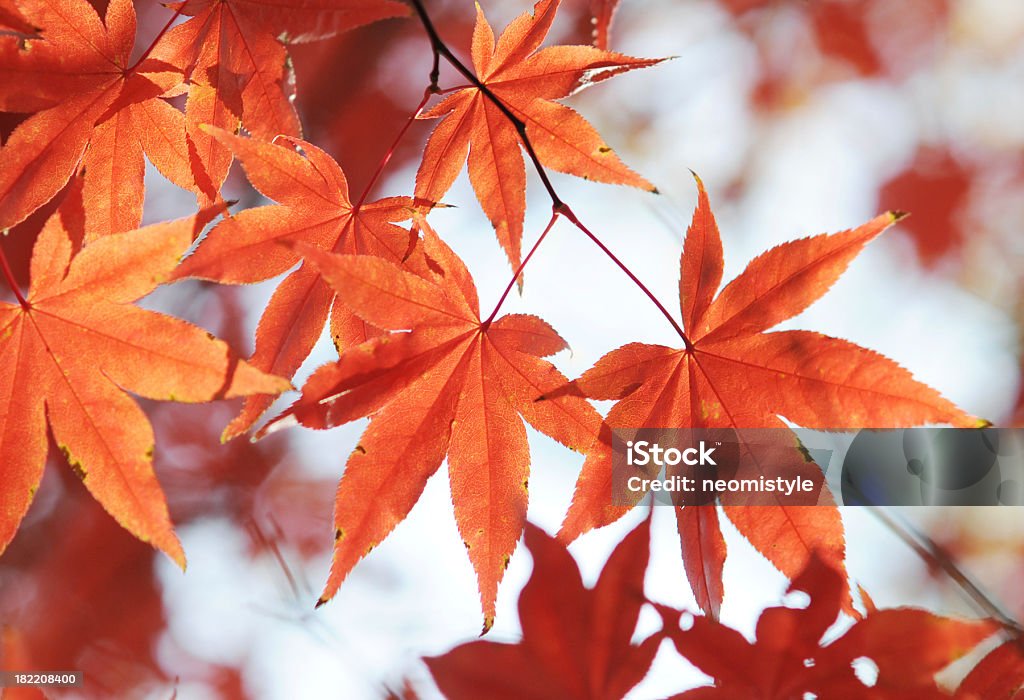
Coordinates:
x,y
801,118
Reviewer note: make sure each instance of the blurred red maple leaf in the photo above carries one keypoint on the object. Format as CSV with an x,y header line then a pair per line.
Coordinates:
x,y
998,676
788,660
935,186
12,19
577,641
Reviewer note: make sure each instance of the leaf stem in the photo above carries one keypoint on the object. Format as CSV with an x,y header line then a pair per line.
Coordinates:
x,y
931,553
391,151
439,48
571,216
11,282
555,213
166,28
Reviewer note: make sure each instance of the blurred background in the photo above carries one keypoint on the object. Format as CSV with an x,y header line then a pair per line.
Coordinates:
x,y
801,118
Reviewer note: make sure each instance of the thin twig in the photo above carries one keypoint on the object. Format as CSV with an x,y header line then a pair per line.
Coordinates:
x,y
11,282
439,48
931,553
145,55
391,151
554,217
571,216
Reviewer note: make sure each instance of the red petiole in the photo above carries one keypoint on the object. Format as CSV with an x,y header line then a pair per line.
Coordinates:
x,y
11,282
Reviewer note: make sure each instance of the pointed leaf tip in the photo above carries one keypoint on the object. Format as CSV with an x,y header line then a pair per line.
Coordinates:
x,y
178,557
488,624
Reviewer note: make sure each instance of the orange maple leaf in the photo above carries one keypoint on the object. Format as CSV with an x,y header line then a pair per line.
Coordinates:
x,y
577,641
453,385
76,344
786,661
251,246
732,374
602,13
235,56
526,80
93,108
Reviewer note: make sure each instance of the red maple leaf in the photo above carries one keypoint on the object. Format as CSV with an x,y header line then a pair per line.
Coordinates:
x,y
93,108
602,13
235,55
937,188
732,374
526,80
576,640
257,244
71,348
455,386
998,676
12,19
788,658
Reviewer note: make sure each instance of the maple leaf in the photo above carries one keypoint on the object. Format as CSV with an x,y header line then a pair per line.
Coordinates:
x,y
602,13
998,676
787,660
15,657
93,108
234,53
526,81
250,247
453,385
732,374
937,188
576,640
71,350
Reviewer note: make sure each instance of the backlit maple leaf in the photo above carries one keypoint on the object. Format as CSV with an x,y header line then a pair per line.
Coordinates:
x,y
526,80
732,374
576,641
69,353
251,246
455,386
788,658
94,108
234,53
